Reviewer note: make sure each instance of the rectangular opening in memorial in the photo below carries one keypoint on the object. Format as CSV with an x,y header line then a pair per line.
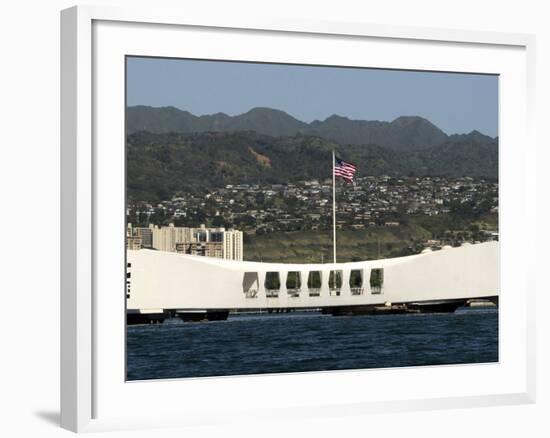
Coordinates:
x,y
314,282
251,284
376,280
272,284
335,282
356,281
293,284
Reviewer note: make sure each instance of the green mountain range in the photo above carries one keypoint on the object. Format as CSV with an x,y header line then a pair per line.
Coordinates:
x,y
403,134
161,164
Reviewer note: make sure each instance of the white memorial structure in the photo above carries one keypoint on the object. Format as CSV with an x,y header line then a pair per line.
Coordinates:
x,y
162,284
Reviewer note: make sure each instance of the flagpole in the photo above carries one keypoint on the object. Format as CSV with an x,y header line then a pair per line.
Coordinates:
x,y
333,208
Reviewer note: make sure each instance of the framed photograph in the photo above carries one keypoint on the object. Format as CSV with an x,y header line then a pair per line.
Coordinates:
x,y
266,217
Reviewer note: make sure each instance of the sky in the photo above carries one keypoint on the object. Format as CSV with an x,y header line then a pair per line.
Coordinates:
x,y
455,102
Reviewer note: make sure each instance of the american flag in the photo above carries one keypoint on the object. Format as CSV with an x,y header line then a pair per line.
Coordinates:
x,y
344,169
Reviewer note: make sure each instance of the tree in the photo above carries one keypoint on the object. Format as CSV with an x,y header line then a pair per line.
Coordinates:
x,y
218,221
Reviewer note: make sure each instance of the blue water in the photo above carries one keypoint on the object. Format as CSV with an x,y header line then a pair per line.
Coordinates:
x,y
276,343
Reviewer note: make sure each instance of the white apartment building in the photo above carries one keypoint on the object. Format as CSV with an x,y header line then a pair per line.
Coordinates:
x,y
164,238
233,245
133,243
146,234
183,235
170,239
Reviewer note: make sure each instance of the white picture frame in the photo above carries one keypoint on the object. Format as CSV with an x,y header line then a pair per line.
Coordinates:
x,y
94,394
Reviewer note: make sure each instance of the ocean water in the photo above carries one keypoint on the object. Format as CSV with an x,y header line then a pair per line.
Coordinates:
x,y
294,342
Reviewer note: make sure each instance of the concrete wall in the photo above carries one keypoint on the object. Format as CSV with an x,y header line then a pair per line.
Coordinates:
x,y
163,280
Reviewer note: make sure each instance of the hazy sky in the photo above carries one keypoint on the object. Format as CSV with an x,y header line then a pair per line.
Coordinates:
x,y
456,103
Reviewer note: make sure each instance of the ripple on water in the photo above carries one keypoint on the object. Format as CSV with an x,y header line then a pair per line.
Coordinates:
x,y
253,344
